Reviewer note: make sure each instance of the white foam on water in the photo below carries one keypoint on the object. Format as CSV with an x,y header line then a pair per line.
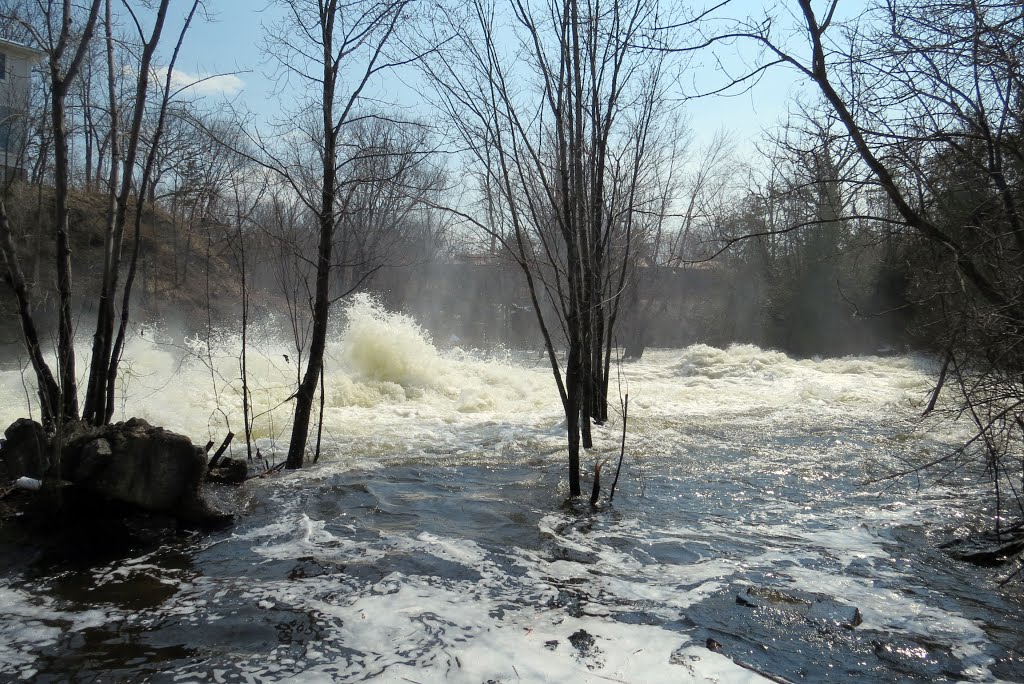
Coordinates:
x,y
499,627
31,624
388,388
308,538
506,626
745,382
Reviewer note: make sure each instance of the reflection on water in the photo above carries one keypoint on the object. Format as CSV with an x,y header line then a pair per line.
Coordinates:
x,y
435,543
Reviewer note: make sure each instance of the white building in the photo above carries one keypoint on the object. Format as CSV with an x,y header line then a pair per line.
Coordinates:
x,y
16,62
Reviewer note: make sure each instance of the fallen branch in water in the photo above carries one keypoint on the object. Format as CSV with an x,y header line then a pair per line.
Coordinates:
x,y
1015,573
595,493
622,448
938,386
220,451
267,468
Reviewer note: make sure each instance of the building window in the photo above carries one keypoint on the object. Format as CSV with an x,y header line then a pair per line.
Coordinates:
x,y
3,66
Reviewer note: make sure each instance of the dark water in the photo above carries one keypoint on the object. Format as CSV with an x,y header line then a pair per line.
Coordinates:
x,y
463,572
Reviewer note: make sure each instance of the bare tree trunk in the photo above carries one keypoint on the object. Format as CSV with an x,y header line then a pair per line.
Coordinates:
x,y
333,42
49,391
244,361
318,339
573,412
108,344
95,394
322,303
60,84
65,322
320,418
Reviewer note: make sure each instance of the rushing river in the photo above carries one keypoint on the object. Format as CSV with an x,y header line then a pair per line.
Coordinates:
x,y
433,541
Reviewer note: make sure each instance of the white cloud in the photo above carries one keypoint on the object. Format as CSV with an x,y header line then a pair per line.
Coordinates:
x,y
201,84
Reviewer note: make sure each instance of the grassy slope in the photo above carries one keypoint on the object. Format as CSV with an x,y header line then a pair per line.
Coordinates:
x,y
165,286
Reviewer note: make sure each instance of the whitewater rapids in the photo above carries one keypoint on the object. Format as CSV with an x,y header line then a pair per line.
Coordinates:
x,y
390,391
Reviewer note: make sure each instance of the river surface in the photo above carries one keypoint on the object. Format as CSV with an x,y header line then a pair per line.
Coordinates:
x,y
433,541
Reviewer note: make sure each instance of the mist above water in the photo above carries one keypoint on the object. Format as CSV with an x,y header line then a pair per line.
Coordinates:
x,y
379,365
388,382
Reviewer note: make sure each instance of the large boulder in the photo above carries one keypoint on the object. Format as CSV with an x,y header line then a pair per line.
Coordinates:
x,y
25,451
130,462
137,463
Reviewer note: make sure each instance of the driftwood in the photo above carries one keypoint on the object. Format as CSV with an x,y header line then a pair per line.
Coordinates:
x,y
220,451
595,493
622,448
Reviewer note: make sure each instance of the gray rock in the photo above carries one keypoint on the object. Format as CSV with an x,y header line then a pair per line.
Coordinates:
x,y
131,462
25,451
834,613
96,456
138,464
229,471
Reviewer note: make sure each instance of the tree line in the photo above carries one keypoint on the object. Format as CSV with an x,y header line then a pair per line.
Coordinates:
x,y
553,136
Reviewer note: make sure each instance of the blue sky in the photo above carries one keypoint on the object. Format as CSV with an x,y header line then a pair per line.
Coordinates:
x,y
227,47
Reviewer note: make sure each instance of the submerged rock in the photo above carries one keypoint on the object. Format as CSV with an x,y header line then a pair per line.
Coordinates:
x,y
815,608
833,613
987,549
229,471
571,601
769,628
918,658
587,649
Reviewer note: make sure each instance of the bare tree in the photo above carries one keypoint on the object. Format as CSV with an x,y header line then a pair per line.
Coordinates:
x,y
334,48
929,93
562,140
51,28
387,179
106,347
65,52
